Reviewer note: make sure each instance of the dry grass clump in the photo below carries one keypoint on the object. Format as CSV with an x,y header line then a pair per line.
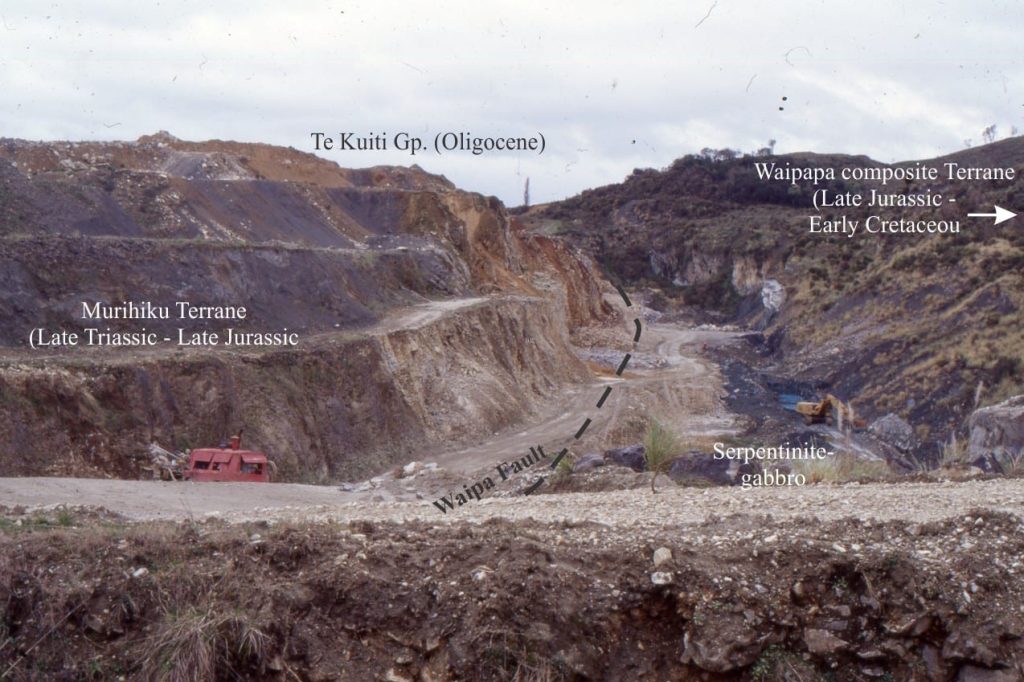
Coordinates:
x,y
954,453
202,645
1013,464
842,468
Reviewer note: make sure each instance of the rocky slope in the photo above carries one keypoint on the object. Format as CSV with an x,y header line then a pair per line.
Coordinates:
x,y
350,260
926,327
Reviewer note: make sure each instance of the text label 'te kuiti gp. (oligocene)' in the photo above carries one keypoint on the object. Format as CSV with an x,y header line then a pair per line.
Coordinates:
x,y
441,143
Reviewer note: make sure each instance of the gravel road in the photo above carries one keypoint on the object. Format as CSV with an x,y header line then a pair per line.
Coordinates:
x,y
147,500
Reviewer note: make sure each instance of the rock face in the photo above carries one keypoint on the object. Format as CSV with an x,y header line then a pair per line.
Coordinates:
x,y
895,431
746,275
728,255
701,467
773,295
316,411
998,431
724,644
970,673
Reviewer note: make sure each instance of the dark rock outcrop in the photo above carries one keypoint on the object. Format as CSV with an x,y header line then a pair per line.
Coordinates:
x,y
632,456
700,466
588,462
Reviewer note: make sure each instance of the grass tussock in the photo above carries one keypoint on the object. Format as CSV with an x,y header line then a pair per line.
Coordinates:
x,y
202,645
660,446
565,466
1013,464
954,453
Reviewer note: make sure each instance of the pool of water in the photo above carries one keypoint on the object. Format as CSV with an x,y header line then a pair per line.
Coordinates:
x,y
789,400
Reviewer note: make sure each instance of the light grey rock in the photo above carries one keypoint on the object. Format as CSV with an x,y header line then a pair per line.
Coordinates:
x,y
773,295
997,431
662,578
895,431
662,555
823,642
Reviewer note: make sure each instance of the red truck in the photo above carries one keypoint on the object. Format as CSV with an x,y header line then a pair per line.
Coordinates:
x,y
228,463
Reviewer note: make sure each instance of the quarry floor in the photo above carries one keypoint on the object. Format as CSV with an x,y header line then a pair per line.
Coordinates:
x,y
668,376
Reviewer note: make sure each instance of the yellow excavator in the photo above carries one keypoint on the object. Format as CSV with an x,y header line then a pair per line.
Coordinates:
x,y
830,407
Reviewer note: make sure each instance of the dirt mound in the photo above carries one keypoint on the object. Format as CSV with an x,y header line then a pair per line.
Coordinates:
x,y
741,598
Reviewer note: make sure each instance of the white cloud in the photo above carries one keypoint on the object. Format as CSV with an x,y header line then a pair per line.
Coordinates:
x,y
612,86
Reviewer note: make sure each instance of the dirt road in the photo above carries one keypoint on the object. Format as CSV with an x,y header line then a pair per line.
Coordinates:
x,y
666,378
423,314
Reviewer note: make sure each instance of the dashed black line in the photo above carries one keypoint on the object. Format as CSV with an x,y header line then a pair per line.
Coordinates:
x,y
622,365
534,486
622,292
604,396
558,458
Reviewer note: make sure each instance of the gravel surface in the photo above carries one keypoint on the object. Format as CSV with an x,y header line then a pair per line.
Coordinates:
x,y
142,500
913,502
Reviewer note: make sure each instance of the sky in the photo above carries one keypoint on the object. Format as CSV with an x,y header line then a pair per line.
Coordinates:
x,y
612,86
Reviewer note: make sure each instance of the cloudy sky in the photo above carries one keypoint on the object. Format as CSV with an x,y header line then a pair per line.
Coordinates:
x,y
612,86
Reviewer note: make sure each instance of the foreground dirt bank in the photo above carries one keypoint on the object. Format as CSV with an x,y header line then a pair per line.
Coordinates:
x,y
738,598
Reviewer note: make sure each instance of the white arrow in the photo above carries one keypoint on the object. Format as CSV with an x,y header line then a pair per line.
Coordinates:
x,y
1001,215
